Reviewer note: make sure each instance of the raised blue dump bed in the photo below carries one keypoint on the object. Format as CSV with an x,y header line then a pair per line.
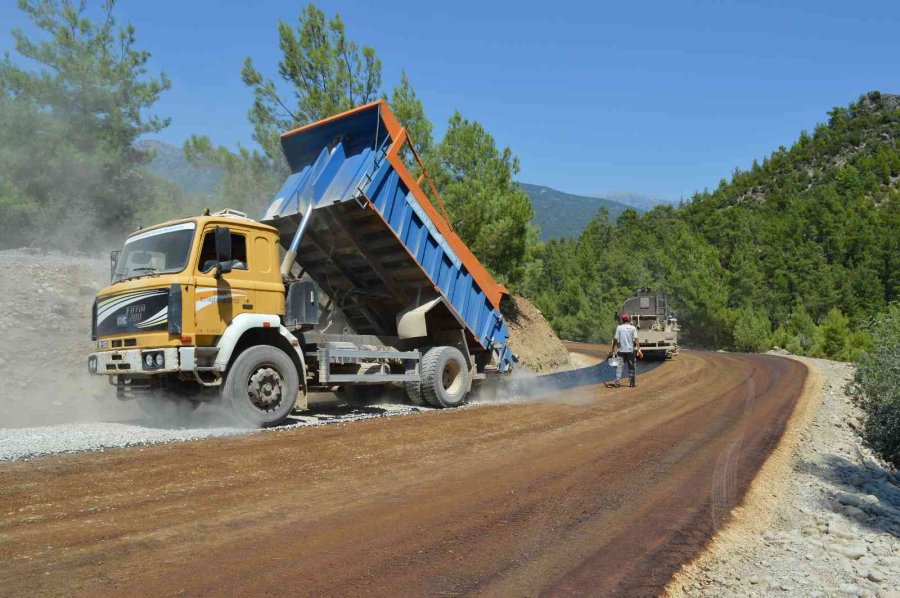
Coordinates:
x,y
371,244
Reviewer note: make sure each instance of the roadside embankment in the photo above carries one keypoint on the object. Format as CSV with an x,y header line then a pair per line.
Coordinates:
x,y
532,339
822,517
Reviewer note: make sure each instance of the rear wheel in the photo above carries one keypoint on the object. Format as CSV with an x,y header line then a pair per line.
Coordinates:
x,y
414,393
444,377
261,387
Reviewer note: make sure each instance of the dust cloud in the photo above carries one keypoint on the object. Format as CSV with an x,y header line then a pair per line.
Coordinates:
x,y
45,337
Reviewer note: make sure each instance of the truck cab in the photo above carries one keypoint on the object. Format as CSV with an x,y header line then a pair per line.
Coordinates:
x,y
177,290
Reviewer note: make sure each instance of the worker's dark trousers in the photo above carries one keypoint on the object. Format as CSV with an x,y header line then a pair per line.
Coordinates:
x,y
628,358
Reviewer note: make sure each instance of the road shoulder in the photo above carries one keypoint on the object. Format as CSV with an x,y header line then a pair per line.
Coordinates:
x,y
822,517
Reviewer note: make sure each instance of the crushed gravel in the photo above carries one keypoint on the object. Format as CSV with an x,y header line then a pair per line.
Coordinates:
x,y
24,443
19,443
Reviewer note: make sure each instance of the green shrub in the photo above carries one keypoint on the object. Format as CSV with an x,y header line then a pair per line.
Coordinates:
x,y
858,343
751,330
877,385
801,325
835,334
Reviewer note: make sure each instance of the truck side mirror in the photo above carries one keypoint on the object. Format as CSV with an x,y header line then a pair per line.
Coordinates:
x,y
113,263
223,250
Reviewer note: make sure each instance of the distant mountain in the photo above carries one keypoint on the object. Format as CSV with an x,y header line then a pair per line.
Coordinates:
x,y
170,163
561,214
643,203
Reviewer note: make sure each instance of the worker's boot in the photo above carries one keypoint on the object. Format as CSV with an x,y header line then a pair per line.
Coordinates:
x,y
632,383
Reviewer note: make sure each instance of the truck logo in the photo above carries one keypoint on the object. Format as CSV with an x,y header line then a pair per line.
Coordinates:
x,y
136,313
130,309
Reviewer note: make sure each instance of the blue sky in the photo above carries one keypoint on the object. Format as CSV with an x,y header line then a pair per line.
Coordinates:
x,y
663,98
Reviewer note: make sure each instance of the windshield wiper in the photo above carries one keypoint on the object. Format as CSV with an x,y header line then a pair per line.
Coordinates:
x,y
133,272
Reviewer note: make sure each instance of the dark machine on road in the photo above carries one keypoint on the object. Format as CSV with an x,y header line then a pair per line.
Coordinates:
x,y
656,323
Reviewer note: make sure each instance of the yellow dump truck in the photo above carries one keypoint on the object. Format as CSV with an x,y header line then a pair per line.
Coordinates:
x,y
352,278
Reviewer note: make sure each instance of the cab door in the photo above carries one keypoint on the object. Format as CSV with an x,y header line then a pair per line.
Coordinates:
x,y
217,301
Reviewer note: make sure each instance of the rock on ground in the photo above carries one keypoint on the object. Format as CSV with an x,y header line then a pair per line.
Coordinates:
x,y
833,528
532,338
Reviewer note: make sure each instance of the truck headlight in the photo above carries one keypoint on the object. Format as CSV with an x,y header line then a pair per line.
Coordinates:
x,y
92,364
153,360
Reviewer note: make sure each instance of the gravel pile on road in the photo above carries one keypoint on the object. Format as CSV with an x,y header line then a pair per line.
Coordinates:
x,y
836,530
207,422
19,443
532,339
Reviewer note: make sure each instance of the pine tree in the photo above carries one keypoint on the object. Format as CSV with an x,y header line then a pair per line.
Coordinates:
x,y
71,113
486,206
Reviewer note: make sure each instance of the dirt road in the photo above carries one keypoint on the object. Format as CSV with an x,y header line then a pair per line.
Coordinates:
x,y
594,491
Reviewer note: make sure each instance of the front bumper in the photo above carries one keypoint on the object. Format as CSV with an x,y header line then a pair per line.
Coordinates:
x,y
131,362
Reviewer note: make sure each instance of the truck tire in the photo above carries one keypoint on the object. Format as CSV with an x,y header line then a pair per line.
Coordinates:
x,y
414,393
445,377
261,387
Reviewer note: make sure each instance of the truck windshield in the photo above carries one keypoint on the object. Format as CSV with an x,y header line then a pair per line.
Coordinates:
x,y
161,250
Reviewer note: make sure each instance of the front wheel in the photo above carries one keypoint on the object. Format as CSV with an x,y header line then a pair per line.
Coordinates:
x,y
261,387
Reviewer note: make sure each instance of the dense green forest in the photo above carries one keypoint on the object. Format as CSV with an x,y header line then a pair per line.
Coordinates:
x,y
798,251
68,162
